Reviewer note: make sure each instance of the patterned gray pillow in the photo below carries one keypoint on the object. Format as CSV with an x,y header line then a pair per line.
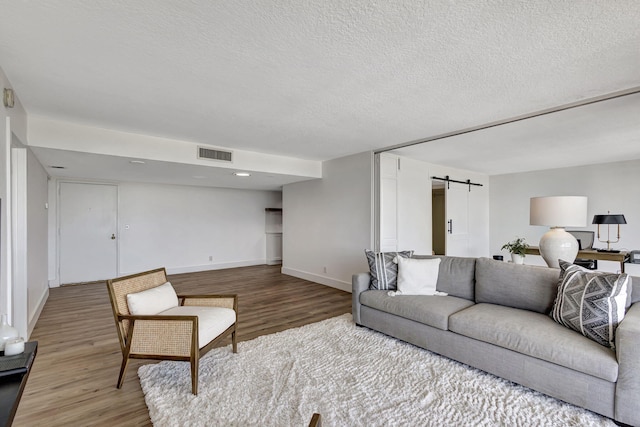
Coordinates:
x,y
592,303
383,269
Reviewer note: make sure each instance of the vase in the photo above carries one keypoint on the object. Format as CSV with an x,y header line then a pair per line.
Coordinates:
x,y
517,259
7,331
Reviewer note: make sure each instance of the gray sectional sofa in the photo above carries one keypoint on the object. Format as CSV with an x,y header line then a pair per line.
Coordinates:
x,y
495,318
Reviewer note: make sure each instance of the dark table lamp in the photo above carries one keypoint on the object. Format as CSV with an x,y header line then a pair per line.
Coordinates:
x,y
609,219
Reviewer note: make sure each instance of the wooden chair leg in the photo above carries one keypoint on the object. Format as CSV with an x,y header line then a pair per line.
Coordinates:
x,y
234,341
123,368
194,375
316,420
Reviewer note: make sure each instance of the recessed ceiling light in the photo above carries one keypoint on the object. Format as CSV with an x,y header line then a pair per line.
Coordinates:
x,y
137,162
57,167
242,174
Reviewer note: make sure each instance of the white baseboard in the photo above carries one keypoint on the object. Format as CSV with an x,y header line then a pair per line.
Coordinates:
x,y
55,283
327,281
218,266
38,311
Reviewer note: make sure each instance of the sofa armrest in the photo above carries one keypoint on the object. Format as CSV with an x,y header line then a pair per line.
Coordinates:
x,y
628,354
359,283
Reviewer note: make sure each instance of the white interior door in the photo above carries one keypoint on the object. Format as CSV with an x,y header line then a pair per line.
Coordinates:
x,y
88,232
457,213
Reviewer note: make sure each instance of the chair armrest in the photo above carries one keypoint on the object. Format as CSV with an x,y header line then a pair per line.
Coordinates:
x,y
162,335
628,354
359,283
135,317
226,301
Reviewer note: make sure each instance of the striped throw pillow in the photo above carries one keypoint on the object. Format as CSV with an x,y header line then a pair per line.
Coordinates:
x,y
383,267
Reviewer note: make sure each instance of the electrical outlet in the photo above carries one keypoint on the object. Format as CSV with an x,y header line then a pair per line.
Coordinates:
x,y
210,257
324,269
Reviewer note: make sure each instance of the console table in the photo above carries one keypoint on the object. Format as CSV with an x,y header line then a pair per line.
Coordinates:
x,y
620,257
11,387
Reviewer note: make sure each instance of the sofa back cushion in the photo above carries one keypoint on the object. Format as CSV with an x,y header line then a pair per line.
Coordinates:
x,y
456,275
520,286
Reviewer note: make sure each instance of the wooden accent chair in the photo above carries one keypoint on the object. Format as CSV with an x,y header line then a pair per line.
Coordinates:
x,y
185,332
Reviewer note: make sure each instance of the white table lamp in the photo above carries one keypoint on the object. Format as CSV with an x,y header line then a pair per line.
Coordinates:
x,y
558,212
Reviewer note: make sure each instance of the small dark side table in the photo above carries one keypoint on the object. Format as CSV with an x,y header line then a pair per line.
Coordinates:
x,y
12,382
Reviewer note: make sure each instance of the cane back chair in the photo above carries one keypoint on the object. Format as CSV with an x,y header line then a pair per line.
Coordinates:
x,y
167,336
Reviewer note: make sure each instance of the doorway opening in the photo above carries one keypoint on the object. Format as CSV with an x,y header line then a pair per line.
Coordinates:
x,y
438,218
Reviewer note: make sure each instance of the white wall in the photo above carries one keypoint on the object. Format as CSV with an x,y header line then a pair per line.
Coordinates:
x,y
37,233
327,224
608,186
180,227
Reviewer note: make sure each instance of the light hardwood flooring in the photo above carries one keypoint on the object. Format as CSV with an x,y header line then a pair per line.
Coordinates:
x,y
74,375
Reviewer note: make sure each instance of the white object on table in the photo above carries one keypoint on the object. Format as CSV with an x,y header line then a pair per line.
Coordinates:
x,y
13,346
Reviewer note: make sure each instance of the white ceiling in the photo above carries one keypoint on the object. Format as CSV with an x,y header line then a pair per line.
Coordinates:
x,y
602,132
102,167
321,79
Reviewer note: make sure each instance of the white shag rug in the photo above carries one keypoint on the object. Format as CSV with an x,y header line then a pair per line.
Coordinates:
x,y
352,376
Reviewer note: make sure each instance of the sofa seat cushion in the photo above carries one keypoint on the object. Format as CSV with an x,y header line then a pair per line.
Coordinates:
x,y
535,335
212,321
430,310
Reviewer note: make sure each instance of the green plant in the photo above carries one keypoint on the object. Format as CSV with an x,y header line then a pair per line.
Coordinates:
x,y
517,246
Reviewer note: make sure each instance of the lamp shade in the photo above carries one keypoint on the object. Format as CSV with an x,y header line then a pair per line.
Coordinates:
x,y
609,219
558,211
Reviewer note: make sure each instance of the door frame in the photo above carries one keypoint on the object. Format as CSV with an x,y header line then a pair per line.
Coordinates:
x,y
58,184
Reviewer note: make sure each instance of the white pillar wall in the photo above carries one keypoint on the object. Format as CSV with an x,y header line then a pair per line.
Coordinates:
x,y
13,125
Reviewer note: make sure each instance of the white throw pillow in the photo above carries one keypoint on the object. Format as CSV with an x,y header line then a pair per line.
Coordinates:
x,y
153,301
418,276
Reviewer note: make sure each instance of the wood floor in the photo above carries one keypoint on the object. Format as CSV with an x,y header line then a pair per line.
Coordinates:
x,y
74,375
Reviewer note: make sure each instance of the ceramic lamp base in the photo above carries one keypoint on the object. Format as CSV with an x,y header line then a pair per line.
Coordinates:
x,y
557,244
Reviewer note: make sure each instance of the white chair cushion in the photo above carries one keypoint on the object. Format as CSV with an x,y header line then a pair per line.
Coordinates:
x,y
152,301
212,321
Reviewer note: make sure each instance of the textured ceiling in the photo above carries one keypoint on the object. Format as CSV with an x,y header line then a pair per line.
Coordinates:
x,y
315,79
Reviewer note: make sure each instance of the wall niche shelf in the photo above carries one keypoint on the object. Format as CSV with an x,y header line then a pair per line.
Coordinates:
x,y
273,230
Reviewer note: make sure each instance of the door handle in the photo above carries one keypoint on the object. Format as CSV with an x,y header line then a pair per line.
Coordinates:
x,y
450,226
113,236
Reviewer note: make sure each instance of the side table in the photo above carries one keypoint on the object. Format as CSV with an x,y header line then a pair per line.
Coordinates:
x,y
12,383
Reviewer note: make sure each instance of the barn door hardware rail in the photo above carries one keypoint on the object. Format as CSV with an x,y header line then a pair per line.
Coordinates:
x,y
449,180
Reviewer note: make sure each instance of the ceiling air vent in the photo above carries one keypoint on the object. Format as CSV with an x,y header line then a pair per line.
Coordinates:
x,y
208,153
